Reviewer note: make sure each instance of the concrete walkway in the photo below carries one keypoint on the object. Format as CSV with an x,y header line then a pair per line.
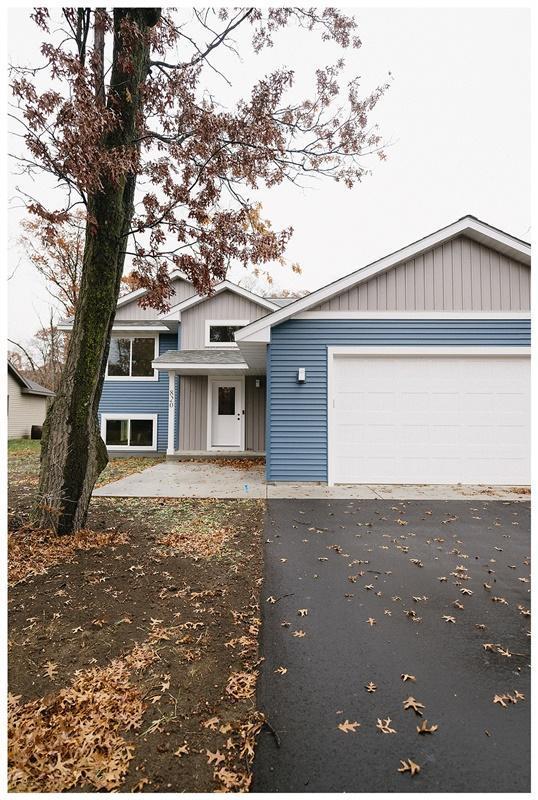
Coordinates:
x,y
203,479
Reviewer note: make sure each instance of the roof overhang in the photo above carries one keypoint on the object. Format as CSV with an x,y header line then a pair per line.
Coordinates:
x,y
259,331
125,327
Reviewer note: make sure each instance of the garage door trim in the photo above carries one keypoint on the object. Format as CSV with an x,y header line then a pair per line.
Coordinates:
x,y
399,351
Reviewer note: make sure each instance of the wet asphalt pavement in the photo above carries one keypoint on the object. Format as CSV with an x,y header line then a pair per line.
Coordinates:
x,y
316,551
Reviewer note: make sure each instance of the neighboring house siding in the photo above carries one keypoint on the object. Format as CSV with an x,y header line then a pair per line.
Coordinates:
x,y
460,275
254,414
144,397
296,446
225,305
25,410
193,412
133,310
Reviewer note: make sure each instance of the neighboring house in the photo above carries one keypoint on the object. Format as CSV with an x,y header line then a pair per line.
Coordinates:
x,y
27,403
413,369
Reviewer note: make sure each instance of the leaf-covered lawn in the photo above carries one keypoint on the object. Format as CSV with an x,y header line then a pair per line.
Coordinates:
x,y
24,454
133,647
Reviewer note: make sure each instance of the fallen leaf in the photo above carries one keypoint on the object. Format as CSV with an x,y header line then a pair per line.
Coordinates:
x,y
302,612
51,669
214,758
299,634
448,618
281,670
384,725
182,751
423,727
405,677
371,621
348,726
370,687
212,723
409,766
414,704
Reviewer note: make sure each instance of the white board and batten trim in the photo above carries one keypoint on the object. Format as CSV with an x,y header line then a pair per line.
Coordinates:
x,y
213,381
172,413
485,389
105,416
209,323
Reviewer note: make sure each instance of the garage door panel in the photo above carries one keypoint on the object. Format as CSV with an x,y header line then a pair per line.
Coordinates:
x,y
430,419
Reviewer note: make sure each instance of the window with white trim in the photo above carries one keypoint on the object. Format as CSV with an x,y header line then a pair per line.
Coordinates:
x,y
122,432
221,332
131,357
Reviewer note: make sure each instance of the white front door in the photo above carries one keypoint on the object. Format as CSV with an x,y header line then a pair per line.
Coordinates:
x,y
226,409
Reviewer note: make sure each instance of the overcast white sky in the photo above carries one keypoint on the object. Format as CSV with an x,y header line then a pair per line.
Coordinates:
x,y
458,115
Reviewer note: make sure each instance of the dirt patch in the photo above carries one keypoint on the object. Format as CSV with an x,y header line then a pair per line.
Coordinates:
x,y
179,578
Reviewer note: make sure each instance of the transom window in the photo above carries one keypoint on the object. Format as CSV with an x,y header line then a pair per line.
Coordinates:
x,y
131,357
221,333
122,432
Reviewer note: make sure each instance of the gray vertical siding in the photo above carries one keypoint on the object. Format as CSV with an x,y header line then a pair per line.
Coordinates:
x,y
296,446
133,311
193,412
225,305
144,397
254,414
460,275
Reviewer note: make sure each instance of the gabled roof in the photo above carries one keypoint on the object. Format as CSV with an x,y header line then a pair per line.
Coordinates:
x,y
28,386
472,227
265,302
137,293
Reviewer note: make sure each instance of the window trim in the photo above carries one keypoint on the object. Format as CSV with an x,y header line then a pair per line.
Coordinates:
x,y
137,335
209,323
129,416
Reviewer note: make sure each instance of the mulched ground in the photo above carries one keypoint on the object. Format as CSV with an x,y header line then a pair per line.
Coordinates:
x,y
133,649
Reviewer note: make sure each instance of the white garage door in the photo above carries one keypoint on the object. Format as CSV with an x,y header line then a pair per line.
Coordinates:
x,y
433,418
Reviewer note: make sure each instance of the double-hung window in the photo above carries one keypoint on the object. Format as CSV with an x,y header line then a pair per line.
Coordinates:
x,y
131,357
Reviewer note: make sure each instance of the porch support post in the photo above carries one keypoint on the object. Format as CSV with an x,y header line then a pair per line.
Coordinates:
x,y
170,450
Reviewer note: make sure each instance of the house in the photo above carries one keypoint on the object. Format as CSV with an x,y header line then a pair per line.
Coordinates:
x,y
412,369
27,403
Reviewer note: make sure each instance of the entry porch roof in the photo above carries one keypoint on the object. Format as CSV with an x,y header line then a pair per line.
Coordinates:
x,y
202,362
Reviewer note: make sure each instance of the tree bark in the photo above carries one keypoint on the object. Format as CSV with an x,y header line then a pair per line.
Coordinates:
x,y
72,451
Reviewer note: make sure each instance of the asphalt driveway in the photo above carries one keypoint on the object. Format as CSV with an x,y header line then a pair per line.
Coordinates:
x,y
374,587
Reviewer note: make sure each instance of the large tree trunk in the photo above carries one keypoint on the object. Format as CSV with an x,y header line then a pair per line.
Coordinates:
x,y
72,451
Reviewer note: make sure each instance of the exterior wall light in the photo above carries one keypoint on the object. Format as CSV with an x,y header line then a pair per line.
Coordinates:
x,y
301,375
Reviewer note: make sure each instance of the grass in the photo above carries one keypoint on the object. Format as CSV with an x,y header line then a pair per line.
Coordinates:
x,y
24,454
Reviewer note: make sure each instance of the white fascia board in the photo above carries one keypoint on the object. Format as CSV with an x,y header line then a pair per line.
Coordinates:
x,y
178,367
221,287
414,315
462,226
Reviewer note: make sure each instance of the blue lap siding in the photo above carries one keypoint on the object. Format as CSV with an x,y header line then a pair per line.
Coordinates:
x,y
144,397
296,448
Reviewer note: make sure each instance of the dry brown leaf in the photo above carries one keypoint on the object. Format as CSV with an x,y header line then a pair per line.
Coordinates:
x,y
370,687
183,750
423,727
299,634
384,725
51,669
371,621
409,766
214,758
348,726
405,677
414,704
